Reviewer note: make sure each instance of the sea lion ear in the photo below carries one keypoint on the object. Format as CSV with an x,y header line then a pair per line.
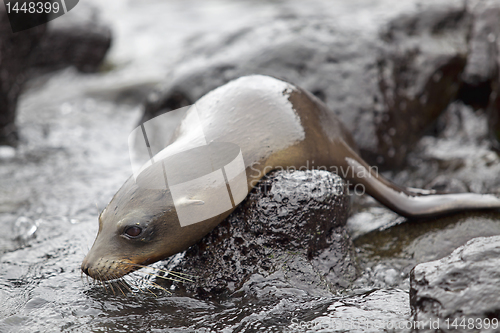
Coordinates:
x,y
99,219
196,202
189,202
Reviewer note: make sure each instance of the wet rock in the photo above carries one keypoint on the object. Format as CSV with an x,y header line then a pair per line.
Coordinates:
x,y
463,286
419,69
446,184
494,115
481,77
412,242
482,63
457,157
16,55
387,86
290,229
482,81
79,38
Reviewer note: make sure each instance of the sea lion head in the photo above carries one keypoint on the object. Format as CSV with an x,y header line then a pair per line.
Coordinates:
x,y
138,227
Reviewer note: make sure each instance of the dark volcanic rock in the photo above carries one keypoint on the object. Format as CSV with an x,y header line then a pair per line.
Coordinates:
x,y
419,70
387,88
15,56
291,228
481,77
464,285
79,38
481,70
484,85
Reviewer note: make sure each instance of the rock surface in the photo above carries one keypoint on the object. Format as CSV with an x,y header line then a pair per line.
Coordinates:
x,y
419,75
481,77
15,56
291,229
461,286
387,87
481,72
78,38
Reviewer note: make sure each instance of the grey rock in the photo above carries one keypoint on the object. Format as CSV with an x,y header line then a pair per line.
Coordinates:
x,y
15,56
386,87
464,285
457,157
78,38
290,229
419,74
481,77
482,74
481,70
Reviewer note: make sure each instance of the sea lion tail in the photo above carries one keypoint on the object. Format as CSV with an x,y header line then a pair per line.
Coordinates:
x,y
415,203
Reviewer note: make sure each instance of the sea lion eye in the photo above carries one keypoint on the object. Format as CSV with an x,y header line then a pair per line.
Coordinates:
x,y
133,231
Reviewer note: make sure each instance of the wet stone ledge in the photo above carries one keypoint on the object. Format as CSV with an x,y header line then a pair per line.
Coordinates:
x,y
460,289
290,230
79,38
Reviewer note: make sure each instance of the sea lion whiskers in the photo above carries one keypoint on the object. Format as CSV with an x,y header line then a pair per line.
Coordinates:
x,y
156,285
110,284
108,281
168,272
163,277
125,284
103,282
141,287
118,286
100,280
151,291
114,280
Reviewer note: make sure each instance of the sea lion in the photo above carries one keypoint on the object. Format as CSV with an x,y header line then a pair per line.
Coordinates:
x,y
276,125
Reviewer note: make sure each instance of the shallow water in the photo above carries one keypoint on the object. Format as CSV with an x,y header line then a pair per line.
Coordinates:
x,y
74,156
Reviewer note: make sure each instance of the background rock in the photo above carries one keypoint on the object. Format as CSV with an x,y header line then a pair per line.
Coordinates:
x,y
291,229
78,38
461,286
419,75
15,56
481,69
387,87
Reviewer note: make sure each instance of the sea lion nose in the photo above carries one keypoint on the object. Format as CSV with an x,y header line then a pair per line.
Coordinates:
x,y
85,268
